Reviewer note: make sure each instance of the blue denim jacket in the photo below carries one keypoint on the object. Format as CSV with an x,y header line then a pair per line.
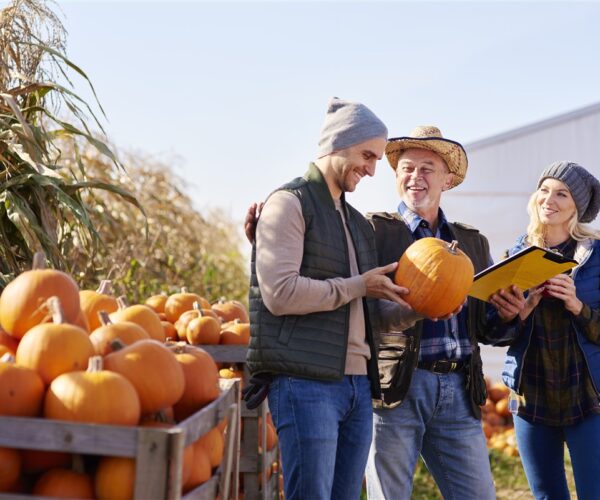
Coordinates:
x,y
587,282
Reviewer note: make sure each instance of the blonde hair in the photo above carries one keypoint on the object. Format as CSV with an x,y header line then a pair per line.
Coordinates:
x,y
536,230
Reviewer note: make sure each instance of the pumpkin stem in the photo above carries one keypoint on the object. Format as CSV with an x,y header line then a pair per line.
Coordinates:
x,y
39,261
77,464
105,287
104,318
184,289
122,301
7,357
453,247
53,305
179,347
95,364
196,306
117,344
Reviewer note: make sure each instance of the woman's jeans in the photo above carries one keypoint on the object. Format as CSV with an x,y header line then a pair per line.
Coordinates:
x,y
542,450
324,431
434,420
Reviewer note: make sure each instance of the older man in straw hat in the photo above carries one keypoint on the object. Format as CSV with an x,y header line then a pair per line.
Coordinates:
x,y
436,414
312,344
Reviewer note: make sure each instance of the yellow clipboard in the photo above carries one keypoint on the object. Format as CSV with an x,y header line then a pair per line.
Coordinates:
x,y
526,269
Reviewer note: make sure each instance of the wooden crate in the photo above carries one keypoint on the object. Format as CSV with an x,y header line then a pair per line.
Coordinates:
x,y
158,451
252,463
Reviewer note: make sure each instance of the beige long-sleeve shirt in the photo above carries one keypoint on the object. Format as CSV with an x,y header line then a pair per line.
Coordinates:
x,y
279,252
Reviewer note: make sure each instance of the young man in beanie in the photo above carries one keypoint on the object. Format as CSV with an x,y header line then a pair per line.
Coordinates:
x,y
312,311
436,413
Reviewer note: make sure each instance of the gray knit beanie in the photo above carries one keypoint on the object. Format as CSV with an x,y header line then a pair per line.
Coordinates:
x,y
584,187
346,124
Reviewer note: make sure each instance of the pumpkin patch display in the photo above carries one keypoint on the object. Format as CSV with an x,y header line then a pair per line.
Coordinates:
x,y
437,274
178,303
55,348
235,333
153,370
126,331
22,301
95,396
229,310
21,389
94,301
64,483
142,315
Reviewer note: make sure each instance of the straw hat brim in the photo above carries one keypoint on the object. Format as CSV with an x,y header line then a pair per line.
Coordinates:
x,y
451,152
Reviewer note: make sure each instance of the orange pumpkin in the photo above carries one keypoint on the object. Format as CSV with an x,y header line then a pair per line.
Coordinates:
x,y
201,380
126,331
213,445
36,461
201,469
235,333
95,396
437,274
184,320
203,330
230,310
498,391
157,302
64,483
10,343
22,301
21,389
170,331
94,301
115,478
10,468
153,370
271,432
52,349
142,315
178,303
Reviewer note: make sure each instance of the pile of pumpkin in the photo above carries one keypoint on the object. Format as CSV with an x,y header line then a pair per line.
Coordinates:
x,y
51,332
497,420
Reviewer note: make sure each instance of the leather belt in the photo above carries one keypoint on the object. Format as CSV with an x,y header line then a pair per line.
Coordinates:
x,y
442,366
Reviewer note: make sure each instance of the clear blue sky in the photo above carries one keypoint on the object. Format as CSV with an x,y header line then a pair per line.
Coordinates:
x,y
237,91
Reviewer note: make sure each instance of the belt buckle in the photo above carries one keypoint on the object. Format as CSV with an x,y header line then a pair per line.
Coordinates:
x,y
449,366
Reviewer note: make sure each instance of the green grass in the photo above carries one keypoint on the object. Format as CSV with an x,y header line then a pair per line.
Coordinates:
x,y
508,474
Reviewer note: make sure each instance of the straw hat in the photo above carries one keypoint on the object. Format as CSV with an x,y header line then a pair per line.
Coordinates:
x,y
430,137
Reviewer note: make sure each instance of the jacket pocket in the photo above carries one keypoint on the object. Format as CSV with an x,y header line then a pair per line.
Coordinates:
x,y
286,329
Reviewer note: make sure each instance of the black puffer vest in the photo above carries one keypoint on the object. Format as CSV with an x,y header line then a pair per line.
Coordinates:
x,y
393,238
314,345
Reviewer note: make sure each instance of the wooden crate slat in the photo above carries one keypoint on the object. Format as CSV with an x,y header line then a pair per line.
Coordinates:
x,y
55,435
205,419
226,353
206,491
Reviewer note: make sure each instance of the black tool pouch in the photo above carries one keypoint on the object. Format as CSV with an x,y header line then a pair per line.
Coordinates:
x,y
476,382
397,359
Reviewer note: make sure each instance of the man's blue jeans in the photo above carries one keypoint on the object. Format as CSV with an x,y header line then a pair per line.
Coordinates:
x,y
542,450
434,420
324,431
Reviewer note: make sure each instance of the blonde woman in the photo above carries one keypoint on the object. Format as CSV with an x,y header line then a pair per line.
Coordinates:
x,y
553,363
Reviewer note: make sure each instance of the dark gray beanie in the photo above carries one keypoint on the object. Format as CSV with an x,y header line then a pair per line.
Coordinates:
x,y
346,124
584,187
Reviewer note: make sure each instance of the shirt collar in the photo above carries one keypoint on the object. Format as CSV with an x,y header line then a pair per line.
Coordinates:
x,y
413,220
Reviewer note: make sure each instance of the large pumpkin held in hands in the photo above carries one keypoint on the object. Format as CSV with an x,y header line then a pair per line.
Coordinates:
x,y
437,274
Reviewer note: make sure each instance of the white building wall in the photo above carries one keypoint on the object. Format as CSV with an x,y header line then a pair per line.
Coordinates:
x,y
503,172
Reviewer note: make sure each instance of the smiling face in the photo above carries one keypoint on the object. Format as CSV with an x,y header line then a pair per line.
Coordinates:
x,y
554,203
421,177
350,165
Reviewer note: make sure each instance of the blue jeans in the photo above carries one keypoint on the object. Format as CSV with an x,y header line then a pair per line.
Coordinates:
x,y
434,420
324,431
542,449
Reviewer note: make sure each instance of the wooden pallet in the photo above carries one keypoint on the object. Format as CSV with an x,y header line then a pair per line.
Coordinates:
x,y
158,451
